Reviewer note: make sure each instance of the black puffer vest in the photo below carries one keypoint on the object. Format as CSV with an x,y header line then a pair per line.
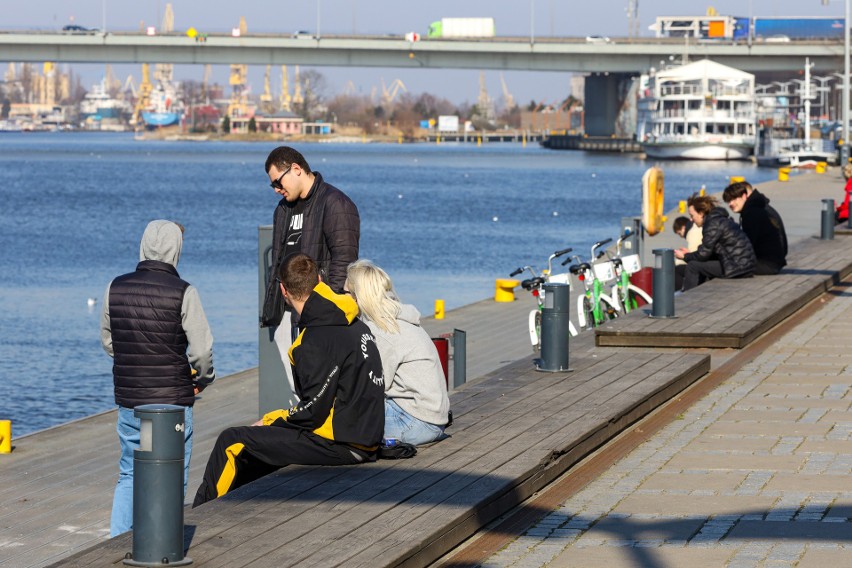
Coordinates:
x,y
150,364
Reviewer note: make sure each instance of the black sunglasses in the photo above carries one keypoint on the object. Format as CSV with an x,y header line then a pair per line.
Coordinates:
x,y
277,183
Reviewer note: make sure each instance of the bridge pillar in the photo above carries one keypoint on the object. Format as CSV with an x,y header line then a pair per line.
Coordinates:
x,y
610,104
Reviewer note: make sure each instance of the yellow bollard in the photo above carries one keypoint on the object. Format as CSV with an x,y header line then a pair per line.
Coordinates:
x,y
479,140
505,289
820,167
681,206
737,179
5,436
784,174
439,309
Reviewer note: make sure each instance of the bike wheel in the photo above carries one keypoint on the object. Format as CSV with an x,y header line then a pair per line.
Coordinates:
x,y
537,346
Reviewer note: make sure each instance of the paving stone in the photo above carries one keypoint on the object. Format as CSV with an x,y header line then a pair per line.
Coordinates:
x,y
685,461
768,415
814,483
750,531
815,557
698,507
732,443
768,429
688,481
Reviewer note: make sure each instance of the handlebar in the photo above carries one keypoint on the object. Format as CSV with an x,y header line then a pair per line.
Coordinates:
x,y
557,254
516,272
596,246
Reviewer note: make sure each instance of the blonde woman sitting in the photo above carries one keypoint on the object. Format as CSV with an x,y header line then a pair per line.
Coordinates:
x,y
416,402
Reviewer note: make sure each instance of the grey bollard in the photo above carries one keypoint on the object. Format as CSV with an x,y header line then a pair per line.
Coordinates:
x,y
555,330
459,358
663,284
827,224
158,488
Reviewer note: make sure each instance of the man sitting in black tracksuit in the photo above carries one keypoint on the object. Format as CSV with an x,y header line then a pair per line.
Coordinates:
x,y
339,418
763,225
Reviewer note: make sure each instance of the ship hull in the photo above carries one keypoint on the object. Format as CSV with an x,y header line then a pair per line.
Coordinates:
x,y
697,151
160,118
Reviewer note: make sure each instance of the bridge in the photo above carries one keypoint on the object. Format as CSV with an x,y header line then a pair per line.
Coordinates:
x,y
619,55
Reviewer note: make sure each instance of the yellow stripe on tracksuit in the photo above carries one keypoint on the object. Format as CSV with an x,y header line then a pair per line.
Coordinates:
x,y
271,417
292,347
229,472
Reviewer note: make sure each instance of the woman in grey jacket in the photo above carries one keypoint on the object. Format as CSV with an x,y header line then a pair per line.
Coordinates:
x,y
416,402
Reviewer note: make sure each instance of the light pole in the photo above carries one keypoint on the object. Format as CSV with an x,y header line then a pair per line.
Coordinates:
x,y
532,21
844,148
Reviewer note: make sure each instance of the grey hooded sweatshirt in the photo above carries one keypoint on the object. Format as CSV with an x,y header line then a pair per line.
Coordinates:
x,y
414,378
163,241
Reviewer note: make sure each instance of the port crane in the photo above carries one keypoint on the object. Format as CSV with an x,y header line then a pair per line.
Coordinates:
x,y
390,93
508,99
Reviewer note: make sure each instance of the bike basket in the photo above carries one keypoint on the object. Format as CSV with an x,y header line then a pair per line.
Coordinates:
x,y
631,263
563,278
604,271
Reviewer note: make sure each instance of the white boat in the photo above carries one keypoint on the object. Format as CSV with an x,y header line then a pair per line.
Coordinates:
x,y
798,153
165,107
99,104
699,111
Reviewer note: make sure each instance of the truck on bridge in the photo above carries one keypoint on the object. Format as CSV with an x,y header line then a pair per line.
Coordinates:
x,y
718,27
462,27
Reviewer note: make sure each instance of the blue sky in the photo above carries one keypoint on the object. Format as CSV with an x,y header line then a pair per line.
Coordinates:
x,y
516,17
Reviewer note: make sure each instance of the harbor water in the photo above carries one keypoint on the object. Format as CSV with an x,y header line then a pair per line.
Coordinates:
x,y
444,220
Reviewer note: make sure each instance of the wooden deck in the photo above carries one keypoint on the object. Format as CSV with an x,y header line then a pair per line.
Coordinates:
x,y
515,431
733,313
56,486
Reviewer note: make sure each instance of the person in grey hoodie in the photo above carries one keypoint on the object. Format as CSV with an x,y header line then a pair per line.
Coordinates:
x,y
154,328
416,402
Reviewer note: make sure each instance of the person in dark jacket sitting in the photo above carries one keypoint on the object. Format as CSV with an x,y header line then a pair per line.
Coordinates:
x,y
763,225
340,415
724,252
154,327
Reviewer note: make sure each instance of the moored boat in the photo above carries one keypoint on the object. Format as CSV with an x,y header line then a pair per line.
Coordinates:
x,y
698,111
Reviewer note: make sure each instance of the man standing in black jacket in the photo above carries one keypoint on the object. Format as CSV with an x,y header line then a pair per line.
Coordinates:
x,y
315,218
763,225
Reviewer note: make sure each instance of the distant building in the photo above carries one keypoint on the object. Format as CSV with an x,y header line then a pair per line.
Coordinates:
x,y
578,86
549,119
281,122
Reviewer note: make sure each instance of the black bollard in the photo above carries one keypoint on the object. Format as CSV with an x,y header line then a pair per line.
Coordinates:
x,y
459,358
555,331
158,488
827,224
663,284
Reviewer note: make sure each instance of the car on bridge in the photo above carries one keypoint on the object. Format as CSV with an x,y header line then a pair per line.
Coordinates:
x,y
75,29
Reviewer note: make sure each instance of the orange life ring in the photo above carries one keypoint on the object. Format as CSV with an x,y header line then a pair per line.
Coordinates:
x,y
652,200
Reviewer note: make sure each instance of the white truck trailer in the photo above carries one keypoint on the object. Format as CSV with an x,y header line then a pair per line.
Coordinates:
x,y
462,27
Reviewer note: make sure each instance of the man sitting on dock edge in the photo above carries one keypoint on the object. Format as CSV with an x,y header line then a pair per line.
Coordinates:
x,y
337,370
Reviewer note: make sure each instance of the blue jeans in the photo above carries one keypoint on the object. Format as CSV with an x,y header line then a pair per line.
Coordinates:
x,y
404,427
128,435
